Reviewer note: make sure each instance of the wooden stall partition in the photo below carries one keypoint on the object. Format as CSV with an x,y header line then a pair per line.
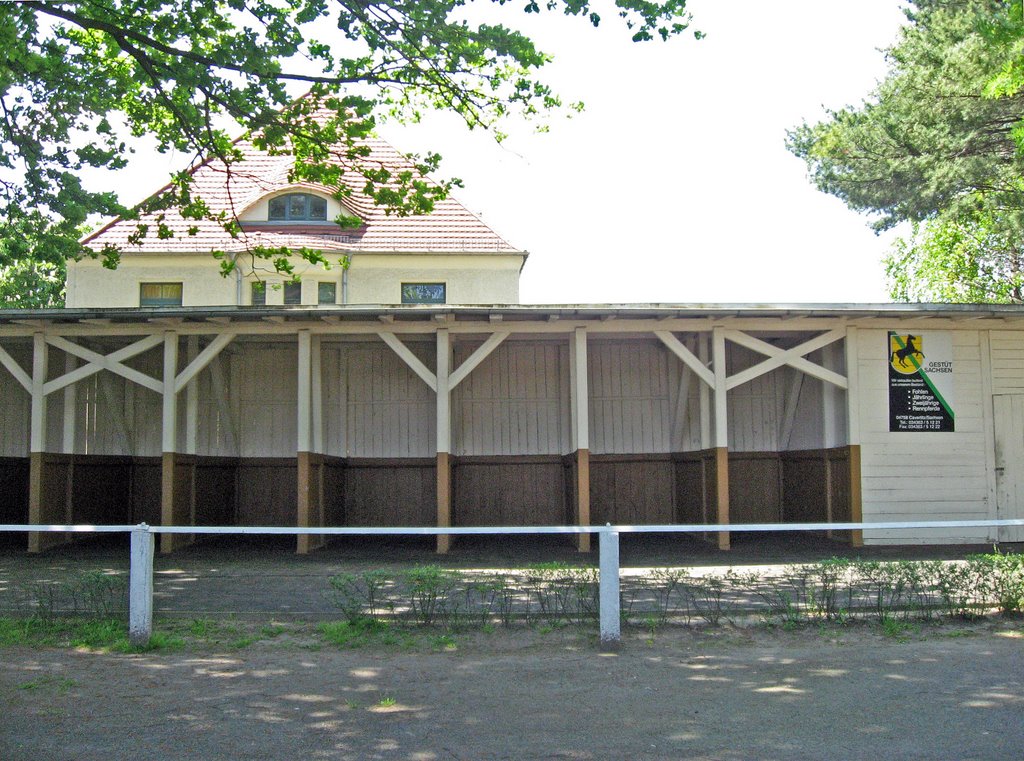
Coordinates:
x,y
14,490
632,489
215,490
145,475
804,490
266,489
390,492
332,490
755,488
702,490
49,494
100,489
508,491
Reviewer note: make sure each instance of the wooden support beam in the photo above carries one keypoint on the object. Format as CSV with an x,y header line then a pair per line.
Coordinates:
x,y
198,362
444,425
40,356
853,433
310,501
16,370
410,359
704,354
856,498
687,357
722,494
317,394
778,357
171,486
473,361
580,399
112,362
721,389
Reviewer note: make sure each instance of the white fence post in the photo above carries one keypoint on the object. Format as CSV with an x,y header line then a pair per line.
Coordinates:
x,y
609,592
140,587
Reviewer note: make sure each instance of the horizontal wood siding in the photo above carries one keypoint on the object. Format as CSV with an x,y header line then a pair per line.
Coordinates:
x,y
754,487
1007,350
509,491
923,476
391,493
267,492
514,403
14,489
632,490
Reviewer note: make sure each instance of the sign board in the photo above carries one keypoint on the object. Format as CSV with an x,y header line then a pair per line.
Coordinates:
x,y
921,381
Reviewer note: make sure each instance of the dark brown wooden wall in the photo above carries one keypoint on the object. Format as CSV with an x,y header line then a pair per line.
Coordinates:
x,y
502,491
267,492
755,489
14,489
391,492
627,489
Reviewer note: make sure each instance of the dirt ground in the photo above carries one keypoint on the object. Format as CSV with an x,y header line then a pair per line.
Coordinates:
x,y
943,692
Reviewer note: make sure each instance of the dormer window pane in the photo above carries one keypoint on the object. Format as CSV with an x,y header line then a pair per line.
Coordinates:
x,y
278,208
297,206
317,208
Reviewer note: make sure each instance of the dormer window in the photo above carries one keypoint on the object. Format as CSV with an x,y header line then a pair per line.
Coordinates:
x,y
297,207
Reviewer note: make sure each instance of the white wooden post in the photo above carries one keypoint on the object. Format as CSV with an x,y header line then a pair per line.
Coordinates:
x,y
317,393
853,432
579,393
192,400
170,397
444,427
721,410
611,632
37,441
704,353
140,587
70,405
305,388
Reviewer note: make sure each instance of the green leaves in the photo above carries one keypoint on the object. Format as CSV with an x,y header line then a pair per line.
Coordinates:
x,y
77,78
938,144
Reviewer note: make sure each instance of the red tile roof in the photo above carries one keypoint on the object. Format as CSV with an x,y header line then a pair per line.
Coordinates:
x,y
449,228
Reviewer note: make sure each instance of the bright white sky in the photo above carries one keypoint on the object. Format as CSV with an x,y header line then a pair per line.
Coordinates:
x,y
674,185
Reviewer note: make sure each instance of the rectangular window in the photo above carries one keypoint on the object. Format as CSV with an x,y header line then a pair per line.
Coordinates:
x,y
293,293
326,293
259,294
423,293
160,294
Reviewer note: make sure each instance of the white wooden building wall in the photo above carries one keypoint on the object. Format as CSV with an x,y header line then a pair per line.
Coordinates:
x,y
516,402
633,386
15,404
919,475
263,397
216,433
390,410
1007,349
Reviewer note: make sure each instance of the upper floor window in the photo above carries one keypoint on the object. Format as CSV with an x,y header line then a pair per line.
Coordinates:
x,y
297,207
326,293
160,294
423,293
292,293
259,294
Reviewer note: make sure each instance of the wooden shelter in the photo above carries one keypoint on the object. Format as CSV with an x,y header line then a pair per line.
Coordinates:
x,y
522,415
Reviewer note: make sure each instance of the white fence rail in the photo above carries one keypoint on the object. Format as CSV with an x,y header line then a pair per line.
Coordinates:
x,y
140,597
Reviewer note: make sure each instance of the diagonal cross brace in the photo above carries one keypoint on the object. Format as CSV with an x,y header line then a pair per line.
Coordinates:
x,y
794,357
